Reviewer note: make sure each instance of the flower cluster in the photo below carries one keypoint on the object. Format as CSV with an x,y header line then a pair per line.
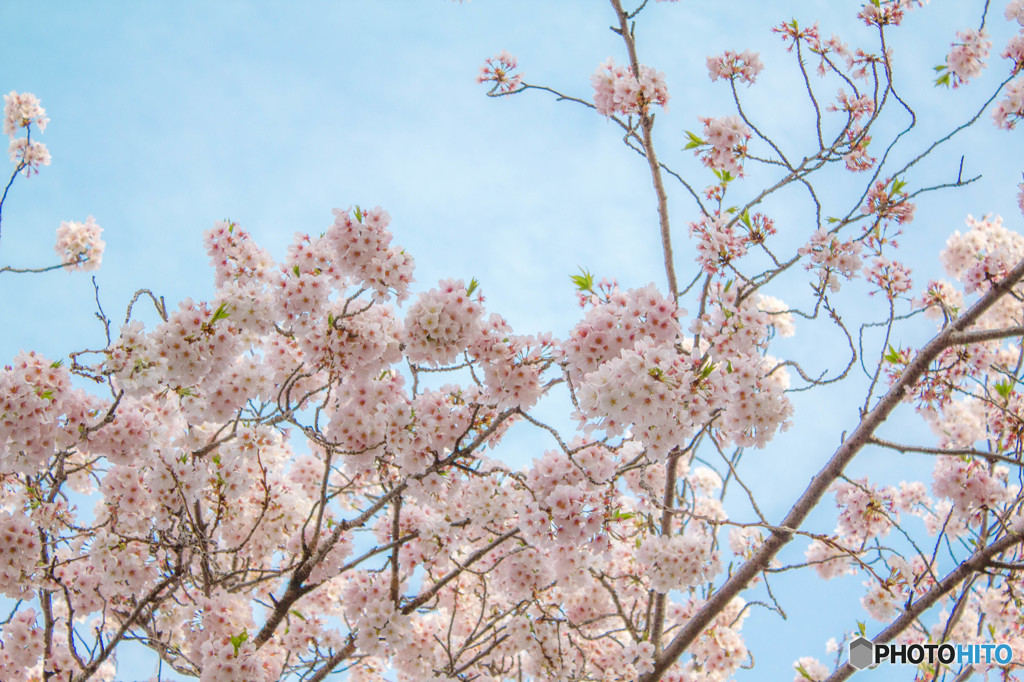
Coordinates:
x,y
887,201
679,561
363,249
499,71
886,12
617,90
723,145
982,256
866,512
21,110
832,257
1010,109
889,276
442,323
735,65
718,243
967,58
79,246
969,483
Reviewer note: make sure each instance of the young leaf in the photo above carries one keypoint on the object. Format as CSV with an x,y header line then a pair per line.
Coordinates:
x,y
694,141
584,281
1004,388
236,640
892,356
473,284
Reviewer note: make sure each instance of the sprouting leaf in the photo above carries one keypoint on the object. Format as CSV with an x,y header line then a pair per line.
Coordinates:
x,y
220,314
473,284
295,269
359,214
898,185
330,319
619,515
584,281
236,640
862,628
56,363
694,142
893,356
728,285
298,615
1004,388
745,217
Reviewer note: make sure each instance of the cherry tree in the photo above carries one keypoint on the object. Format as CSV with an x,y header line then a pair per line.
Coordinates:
x,y
302,476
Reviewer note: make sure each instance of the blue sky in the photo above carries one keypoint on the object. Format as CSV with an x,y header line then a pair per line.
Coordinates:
x,y
166,117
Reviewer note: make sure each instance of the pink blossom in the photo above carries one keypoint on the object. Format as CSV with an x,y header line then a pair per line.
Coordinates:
x,y
499,71
724,144
21,111
967,58
618,91
29,155
731,65
1015,11
809,668
1009,110
79,246
832,257
1014,51
891,277
888,203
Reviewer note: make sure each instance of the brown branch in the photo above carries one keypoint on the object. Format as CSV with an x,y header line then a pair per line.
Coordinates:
x,y
978,561
821,482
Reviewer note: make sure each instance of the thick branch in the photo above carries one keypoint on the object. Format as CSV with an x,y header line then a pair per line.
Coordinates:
x,y
821,482
977,562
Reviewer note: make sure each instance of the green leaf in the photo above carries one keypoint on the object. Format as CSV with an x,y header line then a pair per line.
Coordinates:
x,y
862,629
220,314
694,142
46,395
295,269
1004,388
898,185
584,281
619,515
330,319
56,363
359,214
892,356
728,285
803,673
236,640
298,615
473,284
943,80
745,217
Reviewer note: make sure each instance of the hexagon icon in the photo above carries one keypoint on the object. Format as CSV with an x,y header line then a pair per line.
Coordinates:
x,y
862,653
